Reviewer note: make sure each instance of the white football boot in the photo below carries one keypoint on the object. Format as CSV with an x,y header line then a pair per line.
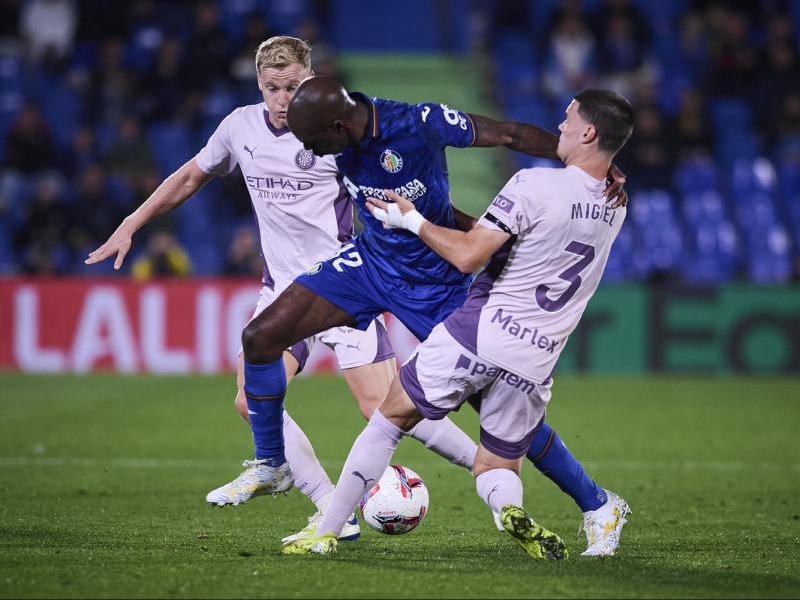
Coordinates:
x,y
257,479
604,526
350,532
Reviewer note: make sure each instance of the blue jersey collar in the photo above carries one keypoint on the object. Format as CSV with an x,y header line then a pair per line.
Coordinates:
x,y
373,127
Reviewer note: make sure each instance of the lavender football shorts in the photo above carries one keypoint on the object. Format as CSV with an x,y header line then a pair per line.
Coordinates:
x,y
441,375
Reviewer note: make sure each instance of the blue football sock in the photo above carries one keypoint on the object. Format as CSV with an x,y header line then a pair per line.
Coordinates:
x,y
265,388
549,454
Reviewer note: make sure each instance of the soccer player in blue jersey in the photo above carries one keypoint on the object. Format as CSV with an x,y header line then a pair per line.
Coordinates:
x,y
382,144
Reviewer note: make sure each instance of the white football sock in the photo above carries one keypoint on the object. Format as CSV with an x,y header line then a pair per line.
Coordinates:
x,y
499,487
368,459
309,476
446,439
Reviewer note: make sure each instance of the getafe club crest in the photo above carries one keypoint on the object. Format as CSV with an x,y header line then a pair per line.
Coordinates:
x,y
305,159
391,161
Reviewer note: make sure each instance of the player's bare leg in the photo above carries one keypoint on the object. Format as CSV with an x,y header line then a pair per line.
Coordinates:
x,y
370,383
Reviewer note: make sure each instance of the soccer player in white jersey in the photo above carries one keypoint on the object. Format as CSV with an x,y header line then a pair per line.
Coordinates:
x,y
304,215
547,236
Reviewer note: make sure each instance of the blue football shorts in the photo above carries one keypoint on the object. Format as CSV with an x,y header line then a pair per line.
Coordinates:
x,y
353,283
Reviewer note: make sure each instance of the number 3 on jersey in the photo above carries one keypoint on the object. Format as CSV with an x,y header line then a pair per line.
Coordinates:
x,y
571,275
347,257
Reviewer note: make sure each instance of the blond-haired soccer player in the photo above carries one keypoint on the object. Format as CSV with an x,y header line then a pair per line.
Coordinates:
x,y
304,215
546,236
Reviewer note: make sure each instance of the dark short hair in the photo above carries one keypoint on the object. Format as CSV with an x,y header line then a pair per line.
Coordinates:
x,y
612,117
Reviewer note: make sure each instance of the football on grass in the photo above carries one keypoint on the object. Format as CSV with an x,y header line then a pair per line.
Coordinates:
x,y
397,503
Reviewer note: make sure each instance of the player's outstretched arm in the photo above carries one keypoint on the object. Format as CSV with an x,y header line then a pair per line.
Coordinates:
x,y
522,137
175,190
536,141
466,251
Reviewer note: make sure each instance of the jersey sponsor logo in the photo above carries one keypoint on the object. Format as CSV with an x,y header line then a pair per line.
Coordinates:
x,y
305,159
278,188
315,269
391,161
503,203
489,370
511,326
411,191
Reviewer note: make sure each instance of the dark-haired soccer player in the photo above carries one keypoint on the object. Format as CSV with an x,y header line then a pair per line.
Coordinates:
x,y
547,236
382,144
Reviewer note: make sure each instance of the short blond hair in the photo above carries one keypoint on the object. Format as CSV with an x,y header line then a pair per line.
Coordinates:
x,y
282,51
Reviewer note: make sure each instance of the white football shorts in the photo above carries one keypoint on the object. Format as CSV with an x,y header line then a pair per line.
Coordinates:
x,y
441,375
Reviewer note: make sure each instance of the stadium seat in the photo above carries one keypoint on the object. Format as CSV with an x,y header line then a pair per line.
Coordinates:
x,y
749,176
657,234
620,261
61,109
712,252
753,211
171,145
770,258
731,114
696,175
736,145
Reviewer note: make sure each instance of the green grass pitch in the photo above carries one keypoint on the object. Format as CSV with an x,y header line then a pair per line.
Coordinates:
x,y
103,478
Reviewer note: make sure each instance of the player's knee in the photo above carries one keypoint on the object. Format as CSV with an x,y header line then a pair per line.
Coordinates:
x,y
256,344
486,461
368,404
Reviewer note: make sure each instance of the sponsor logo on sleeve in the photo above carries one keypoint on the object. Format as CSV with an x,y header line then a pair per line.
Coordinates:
x,y
315,269
305,159
391,161
503,204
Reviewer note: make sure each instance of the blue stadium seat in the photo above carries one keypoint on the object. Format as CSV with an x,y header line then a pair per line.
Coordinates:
x,y
793,214
10,72
713,256
754,211
736,145
696,175
61,109
657,236
750,176
171,145
770,257
731,114
620,261
789,179
661,15
704,206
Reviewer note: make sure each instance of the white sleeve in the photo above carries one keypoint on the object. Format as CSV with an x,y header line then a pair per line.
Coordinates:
x,y
216,157
511,209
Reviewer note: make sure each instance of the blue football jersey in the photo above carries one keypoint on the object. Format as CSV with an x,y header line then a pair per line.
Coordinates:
x,y
404,150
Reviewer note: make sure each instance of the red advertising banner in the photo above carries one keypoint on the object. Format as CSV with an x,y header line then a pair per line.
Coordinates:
x,y
168,326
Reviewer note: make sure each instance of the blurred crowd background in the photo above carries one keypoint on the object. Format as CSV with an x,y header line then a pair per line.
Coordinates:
x,y
100,100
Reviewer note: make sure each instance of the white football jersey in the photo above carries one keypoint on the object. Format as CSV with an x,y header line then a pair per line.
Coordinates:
x,y
522,308
302,209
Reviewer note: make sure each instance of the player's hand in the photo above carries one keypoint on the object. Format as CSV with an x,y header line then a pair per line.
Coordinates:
x,y
614,192
118,244
398,214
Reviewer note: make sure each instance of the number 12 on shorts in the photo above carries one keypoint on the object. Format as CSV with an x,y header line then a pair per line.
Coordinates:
x,y
346,257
